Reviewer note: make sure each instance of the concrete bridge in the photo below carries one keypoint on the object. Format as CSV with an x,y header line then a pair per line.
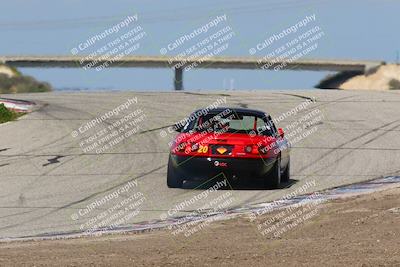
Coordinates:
x,y
179,63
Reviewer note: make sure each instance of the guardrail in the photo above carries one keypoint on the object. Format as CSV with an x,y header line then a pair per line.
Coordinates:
x,y
179,63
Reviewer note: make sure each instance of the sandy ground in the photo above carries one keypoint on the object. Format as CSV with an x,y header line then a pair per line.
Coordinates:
x,y
6,70
358,231
376,81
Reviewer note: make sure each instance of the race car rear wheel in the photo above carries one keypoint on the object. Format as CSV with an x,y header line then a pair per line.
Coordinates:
x,y
173,178
273,180
286,174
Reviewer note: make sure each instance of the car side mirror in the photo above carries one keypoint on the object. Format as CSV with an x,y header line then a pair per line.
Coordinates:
x,y
178,127
281,132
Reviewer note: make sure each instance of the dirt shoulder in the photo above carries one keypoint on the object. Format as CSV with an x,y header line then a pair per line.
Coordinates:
x,y
385,78
382,78
358,231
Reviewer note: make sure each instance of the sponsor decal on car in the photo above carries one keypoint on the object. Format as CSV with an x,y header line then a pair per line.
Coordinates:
x,y
221,150
220,164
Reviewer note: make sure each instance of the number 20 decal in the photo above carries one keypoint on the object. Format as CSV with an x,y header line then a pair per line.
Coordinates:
x,y
203,149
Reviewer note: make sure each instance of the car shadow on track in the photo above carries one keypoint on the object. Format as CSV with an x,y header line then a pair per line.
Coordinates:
x,y
236,185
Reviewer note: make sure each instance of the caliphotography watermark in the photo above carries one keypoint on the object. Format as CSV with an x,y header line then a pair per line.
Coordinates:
x,y
206,131
288,212
110,45
206,41
111,210
297,130
193,117
204,208
107,131
301,128
288,45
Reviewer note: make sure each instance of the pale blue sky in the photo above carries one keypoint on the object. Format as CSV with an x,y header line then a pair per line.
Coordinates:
x,y
354,29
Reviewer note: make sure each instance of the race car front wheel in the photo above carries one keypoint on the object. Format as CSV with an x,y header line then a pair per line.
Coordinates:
x,y
273,180
173,178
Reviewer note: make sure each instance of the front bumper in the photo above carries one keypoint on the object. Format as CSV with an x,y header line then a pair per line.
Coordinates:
x,y
205,168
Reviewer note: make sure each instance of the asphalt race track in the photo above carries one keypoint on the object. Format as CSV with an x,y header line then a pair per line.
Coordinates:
x,y
46,178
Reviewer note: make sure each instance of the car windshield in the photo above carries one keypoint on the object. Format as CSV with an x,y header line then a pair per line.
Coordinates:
x,y
230,122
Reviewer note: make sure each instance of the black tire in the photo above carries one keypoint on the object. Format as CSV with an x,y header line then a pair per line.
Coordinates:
x,y
173,178
286,174
273,180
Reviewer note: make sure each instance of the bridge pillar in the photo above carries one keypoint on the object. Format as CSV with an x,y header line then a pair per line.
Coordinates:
x,y
178,81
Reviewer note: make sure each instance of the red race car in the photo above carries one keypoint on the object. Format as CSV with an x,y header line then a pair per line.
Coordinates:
x,y
234,143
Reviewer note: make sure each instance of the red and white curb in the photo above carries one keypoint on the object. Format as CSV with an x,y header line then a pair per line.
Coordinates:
x,y
18,105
